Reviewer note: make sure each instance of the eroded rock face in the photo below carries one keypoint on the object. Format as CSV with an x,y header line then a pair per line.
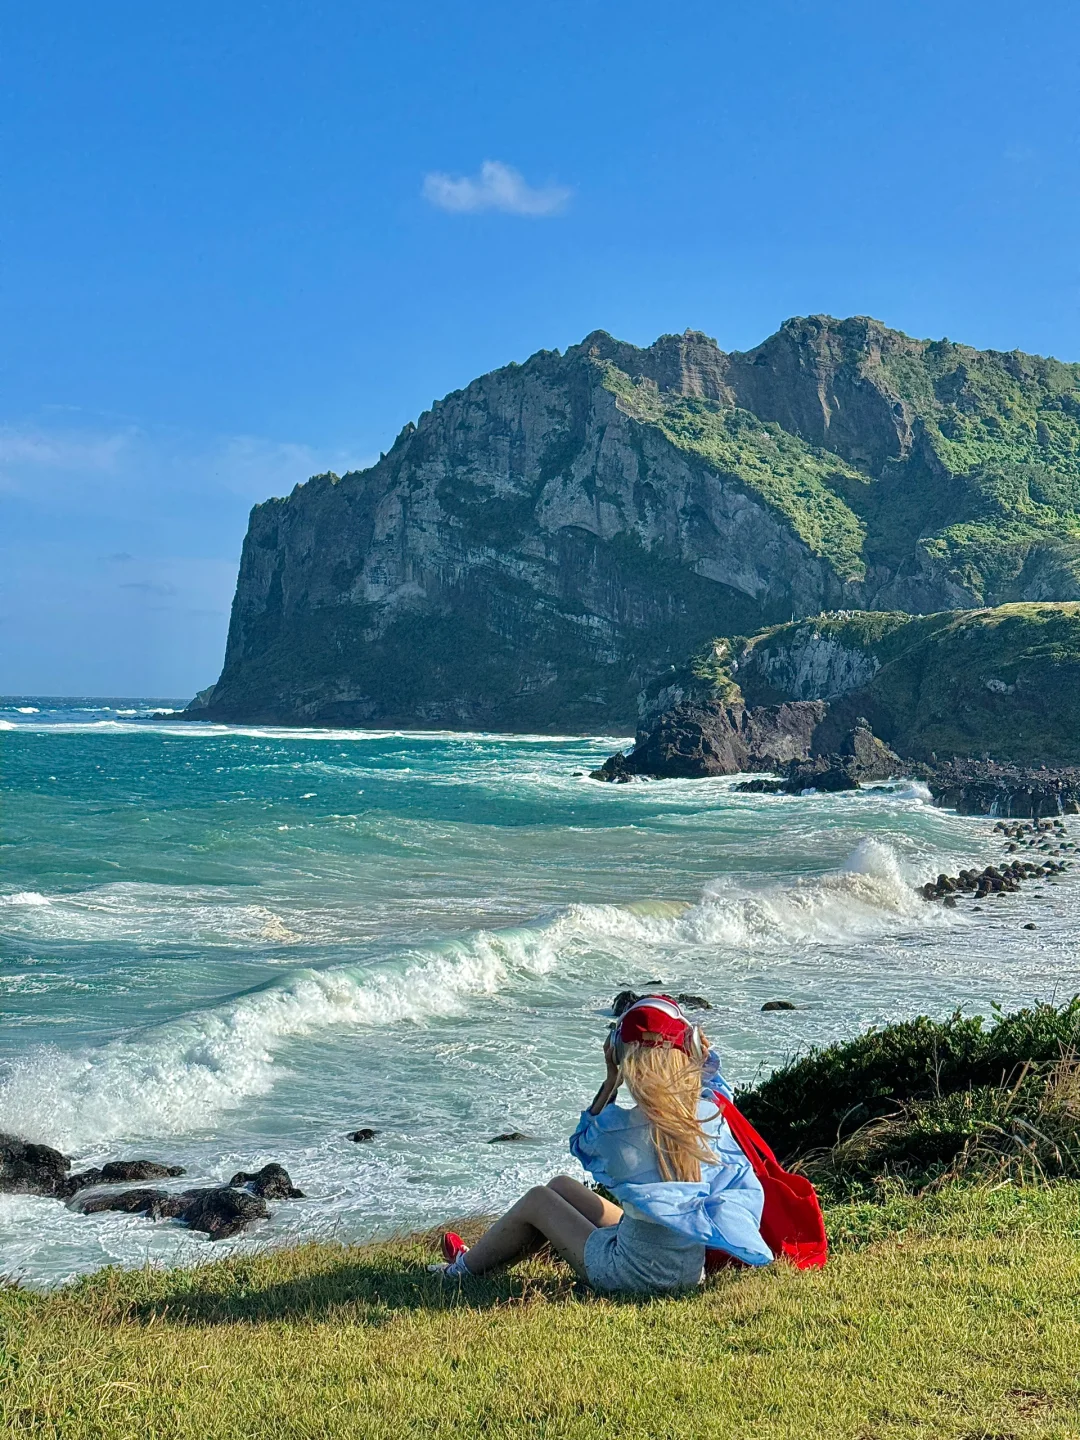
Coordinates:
x,y
697,740
1019,792
692,741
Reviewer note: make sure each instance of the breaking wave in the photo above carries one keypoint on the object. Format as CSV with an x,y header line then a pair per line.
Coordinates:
x,y
176,1076
173,1077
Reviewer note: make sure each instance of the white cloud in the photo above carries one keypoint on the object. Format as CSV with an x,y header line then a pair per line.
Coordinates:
x,y
39,464
497,187
252,465
63,450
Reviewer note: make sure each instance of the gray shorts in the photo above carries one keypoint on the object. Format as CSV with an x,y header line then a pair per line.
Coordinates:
x,y
638,1256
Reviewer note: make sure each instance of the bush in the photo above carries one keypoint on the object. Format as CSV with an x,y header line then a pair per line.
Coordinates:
x,y
913,1102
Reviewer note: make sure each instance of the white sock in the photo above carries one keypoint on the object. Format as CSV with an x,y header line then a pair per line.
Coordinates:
x,y
457,1269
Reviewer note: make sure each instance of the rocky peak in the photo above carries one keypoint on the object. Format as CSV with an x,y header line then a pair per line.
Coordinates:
x,y
824,380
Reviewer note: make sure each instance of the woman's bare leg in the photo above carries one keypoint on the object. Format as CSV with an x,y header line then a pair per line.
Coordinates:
x,y
542,1214
594,1207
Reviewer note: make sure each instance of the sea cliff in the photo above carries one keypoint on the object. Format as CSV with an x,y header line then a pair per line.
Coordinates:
x,y
548,542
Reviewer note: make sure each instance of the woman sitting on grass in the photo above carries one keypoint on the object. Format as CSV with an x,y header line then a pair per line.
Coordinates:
x,y
683,1182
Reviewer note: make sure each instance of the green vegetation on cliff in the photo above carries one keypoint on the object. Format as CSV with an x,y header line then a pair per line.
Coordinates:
x,y
982,475
1001,682
802,483
988,473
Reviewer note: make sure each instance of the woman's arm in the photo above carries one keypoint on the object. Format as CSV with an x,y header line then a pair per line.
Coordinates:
x,y
608,1089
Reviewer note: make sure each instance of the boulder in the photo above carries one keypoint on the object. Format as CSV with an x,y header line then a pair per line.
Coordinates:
x,y
117,1172
222,1212
826,774
614,770
626,998
363,1135
693,1002
120,1171
272,1182
132,1202
698,739
219,1211
778,1005
29,1169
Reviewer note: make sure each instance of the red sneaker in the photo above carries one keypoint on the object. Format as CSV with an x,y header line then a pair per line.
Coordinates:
x,y
451,1245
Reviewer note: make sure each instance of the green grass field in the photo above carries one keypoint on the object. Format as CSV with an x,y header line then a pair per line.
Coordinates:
x,y
956,1315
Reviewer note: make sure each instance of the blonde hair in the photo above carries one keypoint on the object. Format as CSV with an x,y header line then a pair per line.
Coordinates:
x,y
666,1084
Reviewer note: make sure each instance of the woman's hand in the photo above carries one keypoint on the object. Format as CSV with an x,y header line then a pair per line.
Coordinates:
x,y
606,1093
609,1056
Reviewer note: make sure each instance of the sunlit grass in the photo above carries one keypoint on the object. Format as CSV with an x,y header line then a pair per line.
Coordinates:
x,y
953,1316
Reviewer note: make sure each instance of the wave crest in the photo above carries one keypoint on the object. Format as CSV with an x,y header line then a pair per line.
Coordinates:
x,y
175,1076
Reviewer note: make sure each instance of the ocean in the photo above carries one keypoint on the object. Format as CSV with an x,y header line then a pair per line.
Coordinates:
x,y
221,946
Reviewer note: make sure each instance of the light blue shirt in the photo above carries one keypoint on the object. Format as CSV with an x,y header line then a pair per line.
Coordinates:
x,y
722,1210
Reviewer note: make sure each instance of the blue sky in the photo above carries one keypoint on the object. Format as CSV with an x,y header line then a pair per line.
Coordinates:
x,y
245,243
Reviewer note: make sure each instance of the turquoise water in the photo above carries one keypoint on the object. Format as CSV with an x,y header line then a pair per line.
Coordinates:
x,y
223,946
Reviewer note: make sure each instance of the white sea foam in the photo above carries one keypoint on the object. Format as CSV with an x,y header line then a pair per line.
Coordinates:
x,y
871,895
176,1076
201,729
916,790
161,914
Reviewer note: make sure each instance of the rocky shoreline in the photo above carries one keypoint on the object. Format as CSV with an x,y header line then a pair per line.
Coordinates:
x,y
1049,841
984,787
800,739
217,1210
808,745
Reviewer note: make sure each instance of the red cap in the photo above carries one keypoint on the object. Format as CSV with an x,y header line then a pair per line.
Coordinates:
x,y
654,1020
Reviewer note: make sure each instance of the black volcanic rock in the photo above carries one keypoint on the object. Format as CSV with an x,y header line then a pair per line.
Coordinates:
x,y
625,998
272,1182
118,1172
218,1211
974,787
29,1169
695,740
